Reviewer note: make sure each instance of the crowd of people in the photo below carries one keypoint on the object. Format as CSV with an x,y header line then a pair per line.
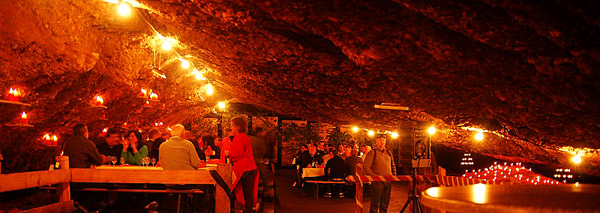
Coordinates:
x,y
341,162
338,163
179,149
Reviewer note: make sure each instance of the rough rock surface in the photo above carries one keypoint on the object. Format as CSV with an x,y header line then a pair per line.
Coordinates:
x,y
527,71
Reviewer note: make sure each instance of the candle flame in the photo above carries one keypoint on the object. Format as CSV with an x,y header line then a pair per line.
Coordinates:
x,y
105,130
47,136
24,115
99,99
153,95
144,91
54,138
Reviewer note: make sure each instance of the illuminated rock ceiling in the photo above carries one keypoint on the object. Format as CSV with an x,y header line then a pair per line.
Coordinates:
x,y
528,72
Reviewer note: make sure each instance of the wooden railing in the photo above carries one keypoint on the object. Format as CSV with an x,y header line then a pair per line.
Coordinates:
x,y
64,176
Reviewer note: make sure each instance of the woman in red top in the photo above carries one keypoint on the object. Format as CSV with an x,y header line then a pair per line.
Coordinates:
x,y
245,186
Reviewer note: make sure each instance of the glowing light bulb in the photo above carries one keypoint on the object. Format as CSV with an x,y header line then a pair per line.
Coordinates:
x,y
185,64
431,130
355,129
209,89
395,135
199,75
221,105
371,133
166,45
479,136
576,159
124,9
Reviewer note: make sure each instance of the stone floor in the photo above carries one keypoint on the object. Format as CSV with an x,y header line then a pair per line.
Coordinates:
x,y
291,199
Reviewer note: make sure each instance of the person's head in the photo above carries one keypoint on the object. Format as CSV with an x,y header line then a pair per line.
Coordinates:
x,y
238,125
177,130
321,145
134,136
332,153
208,140
348,150
380,142
303,148
363,149
312,150
154,134
113,137
259,131
81,130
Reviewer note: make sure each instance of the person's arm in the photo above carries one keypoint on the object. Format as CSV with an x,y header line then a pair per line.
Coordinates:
x,y
368,163
137,156
96,157
393,163
194,159
327,167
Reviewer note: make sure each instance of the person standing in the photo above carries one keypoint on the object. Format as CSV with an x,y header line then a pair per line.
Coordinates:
x,y
245,186
81,151
262,157
134,149
177,153
380,161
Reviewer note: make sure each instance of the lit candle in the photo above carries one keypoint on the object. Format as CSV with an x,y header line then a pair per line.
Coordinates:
x,y
147,104
13,95
153,96
99,100
46,139
23,118
54,140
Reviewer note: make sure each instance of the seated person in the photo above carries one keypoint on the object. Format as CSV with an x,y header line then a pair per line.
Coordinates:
x,y
177,153
297,162
154,141
81,151
335,170
311,158
111,145
133,148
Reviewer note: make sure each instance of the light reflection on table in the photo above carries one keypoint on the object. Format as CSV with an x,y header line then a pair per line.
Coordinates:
x,y
514,198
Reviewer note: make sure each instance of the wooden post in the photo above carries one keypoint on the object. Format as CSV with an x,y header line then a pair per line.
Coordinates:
x,y
359,188
222,203
64,189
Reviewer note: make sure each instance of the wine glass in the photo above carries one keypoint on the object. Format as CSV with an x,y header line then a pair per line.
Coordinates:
x,y
122,161
113,159
145,161
153,160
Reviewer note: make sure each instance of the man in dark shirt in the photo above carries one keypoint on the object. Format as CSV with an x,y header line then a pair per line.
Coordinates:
x,y
335,170
111,145
351,159
311,158
81,151
154,142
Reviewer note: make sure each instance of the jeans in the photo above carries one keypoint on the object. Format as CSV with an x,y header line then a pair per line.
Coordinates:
x,y
247,181
380,197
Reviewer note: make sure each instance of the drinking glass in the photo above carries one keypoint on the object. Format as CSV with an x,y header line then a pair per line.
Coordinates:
x,y
122,161
153,160
145,161
113,159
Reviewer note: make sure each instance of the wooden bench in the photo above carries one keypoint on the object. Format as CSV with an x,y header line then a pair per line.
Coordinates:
x,y
317,182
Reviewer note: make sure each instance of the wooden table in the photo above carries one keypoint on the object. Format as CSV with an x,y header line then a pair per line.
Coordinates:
x,y
130,167
313,172
514,198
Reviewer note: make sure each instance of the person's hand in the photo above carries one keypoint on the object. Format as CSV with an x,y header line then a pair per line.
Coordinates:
x,y
125,144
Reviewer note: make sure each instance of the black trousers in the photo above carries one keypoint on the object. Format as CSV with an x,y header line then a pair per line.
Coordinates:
x,y
380,196
247,181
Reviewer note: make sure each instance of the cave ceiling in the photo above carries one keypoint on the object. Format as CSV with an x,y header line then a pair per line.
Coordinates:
x,y
525,71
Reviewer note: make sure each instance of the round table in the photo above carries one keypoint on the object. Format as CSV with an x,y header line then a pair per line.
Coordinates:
x,y
514,198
